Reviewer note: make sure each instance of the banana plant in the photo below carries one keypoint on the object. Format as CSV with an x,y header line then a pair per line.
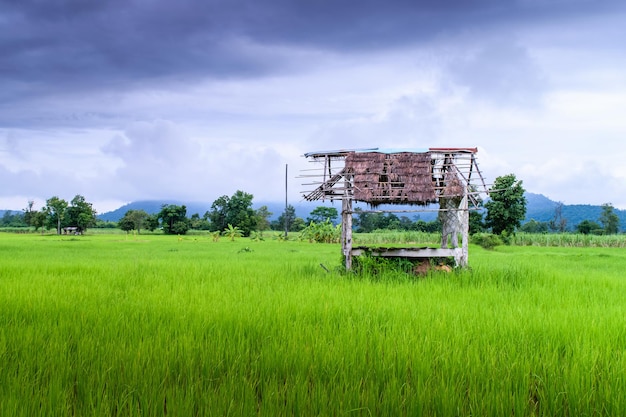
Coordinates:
x,y
232,232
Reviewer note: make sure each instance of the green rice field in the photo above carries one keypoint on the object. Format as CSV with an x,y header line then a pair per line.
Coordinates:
x,y
117,325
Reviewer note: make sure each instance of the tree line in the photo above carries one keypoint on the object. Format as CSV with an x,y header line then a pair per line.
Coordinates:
x,y
502,215
57,214
607,223
233,214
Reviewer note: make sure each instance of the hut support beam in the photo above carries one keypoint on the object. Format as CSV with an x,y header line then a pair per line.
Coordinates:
x,y
346,230
464,220
346,222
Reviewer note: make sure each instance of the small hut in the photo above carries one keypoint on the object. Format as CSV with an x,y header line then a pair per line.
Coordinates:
x,y
72,230
419,178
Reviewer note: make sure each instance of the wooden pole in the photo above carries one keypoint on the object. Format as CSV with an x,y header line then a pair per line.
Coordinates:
x,y
346,223
286,206
464,220
346,230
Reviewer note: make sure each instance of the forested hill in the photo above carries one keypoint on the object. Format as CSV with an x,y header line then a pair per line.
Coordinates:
x,y
539,208
542,209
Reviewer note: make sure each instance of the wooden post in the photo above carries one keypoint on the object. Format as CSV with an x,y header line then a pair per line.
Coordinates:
x,y
464,220
286,205
346,222
346,230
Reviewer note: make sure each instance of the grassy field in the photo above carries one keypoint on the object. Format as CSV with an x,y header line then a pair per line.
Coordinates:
x,y
110,325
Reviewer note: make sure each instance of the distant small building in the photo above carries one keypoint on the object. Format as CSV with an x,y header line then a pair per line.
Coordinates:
x,y
72,230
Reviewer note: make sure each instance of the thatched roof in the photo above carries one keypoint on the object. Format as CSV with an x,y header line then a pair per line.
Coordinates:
x,y
453,186
397,178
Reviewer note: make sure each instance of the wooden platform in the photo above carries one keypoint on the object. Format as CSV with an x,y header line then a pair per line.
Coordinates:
x,y
409,252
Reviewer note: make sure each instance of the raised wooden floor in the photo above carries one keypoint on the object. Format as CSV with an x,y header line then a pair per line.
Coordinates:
x,y
409,252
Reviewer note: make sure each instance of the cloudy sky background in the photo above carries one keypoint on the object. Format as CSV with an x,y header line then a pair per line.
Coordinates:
x,y
125,100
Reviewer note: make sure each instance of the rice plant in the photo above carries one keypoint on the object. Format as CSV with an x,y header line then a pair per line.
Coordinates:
x,y
104,325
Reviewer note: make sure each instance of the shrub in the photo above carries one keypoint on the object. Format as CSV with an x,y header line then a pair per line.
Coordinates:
x,y
487,240
376,266
324,232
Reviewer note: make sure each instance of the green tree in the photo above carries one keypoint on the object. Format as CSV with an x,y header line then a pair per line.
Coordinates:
x,y
476,223
80,213
533,226
406,223
218,213
420,225
133,220
105,224
240,212
609,220
235,210
199,223
29,212
55,209
321,214
39,219
298,224
13,219
152,222
6,219
362,221
476,217
588,227
289,221
366,222
262,218
558,222
507,207
392,222
126,224
174,219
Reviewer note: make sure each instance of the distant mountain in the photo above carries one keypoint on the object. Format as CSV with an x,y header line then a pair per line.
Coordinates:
x,y
539,208
542,209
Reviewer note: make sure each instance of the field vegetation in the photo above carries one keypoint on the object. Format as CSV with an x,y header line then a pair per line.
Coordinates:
x,y
147,325
518,239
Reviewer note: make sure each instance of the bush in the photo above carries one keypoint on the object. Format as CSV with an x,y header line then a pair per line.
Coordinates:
x,y
376,266
487,240
324,232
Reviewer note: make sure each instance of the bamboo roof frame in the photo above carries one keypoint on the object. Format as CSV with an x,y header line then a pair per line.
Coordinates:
x,y
335,181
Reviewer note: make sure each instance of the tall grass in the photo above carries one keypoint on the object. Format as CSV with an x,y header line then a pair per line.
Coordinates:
x,y
158,325
396,237
569,240
519,239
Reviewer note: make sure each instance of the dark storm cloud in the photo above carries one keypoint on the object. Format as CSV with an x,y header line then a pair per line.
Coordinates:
x,y
119,43
77,44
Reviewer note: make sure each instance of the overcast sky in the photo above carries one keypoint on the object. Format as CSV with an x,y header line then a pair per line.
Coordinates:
x,y
125,100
